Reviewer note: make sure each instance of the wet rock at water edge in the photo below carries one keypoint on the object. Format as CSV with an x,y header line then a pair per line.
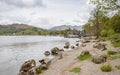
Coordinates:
x,y
45,63
77,44
47,53
99,59
67,44
55,51
27,66
72,47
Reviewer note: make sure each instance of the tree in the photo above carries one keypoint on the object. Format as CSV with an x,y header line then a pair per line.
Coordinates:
x,y
107,4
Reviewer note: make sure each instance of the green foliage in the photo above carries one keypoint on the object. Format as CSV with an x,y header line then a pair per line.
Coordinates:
x,y
35,31
115,39
111,52
118,67
106,68
38,70
117,56
84,57
75,70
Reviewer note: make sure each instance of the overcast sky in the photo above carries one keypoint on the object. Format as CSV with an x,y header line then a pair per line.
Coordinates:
x,y
45,13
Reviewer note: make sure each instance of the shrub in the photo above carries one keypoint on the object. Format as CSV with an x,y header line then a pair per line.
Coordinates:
x,y
84,57
106,68
75,70
111,52
118,67
115,39
38,70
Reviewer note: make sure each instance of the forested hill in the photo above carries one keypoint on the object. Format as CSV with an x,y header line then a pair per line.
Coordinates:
x,y
21,29
24,29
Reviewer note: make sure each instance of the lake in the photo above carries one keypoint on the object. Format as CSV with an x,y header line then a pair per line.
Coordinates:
x,y
15,50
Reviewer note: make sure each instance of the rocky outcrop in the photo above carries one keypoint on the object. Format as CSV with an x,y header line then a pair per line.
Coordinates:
x,y
99,59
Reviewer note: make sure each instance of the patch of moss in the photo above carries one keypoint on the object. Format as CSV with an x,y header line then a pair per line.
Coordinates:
x,y
106,68
38,70
75,70
111,52
84,57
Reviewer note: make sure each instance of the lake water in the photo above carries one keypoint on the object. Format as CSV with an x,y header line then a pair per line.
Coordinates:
x,y
15,50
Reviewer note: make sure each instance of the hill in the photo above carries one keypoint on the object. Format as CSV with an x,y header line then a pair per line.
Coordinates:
x,y
21,29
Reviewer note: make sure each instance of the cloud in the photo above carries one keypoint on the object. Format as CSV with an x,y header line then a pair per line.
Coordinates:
x,y
44,13
23,3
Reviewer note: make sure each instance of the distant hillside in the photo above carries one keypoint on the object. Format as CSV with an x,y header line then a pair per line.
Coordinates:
x,y
63,27
16,25
21,29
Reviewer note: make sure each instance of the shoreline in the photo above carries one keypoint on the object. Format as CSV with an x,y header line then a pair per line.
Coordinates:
x,y
69,60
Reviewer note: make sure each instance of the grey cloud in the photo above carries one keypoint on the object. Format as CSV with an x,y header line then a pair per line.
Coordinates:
x,y
23,3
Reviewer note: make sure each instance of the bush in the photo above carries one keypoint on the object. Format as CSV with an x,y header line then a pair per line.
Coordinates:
x,y
111,52
118,67
106,68
38,70
115,39
75,70
84,57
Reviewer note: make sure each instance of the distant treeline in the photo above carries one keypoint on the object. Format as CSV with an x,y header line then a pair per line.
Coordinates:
x,y
36,31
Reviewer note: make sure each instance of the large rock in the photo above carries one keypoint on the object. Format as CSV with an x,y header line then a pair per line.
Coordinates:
x,y
84,53
45,63
101,47
99,59
83,45
67,44
77,44
55,51
72,47
47,53
27,66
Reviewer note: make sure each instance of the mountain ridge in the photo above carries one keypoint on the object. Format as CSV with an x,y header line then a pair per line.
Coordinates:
x,y
63,27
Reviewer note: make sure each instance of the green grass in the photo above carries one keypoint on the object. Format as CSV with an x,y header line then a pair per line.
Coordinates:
x,y
118,67
75,70
111,52
116,44
84,57
38,70
106,68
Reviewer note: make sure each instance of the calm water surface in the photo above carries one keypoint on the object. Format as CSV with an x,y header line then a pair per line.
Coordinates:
x,y
14,50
